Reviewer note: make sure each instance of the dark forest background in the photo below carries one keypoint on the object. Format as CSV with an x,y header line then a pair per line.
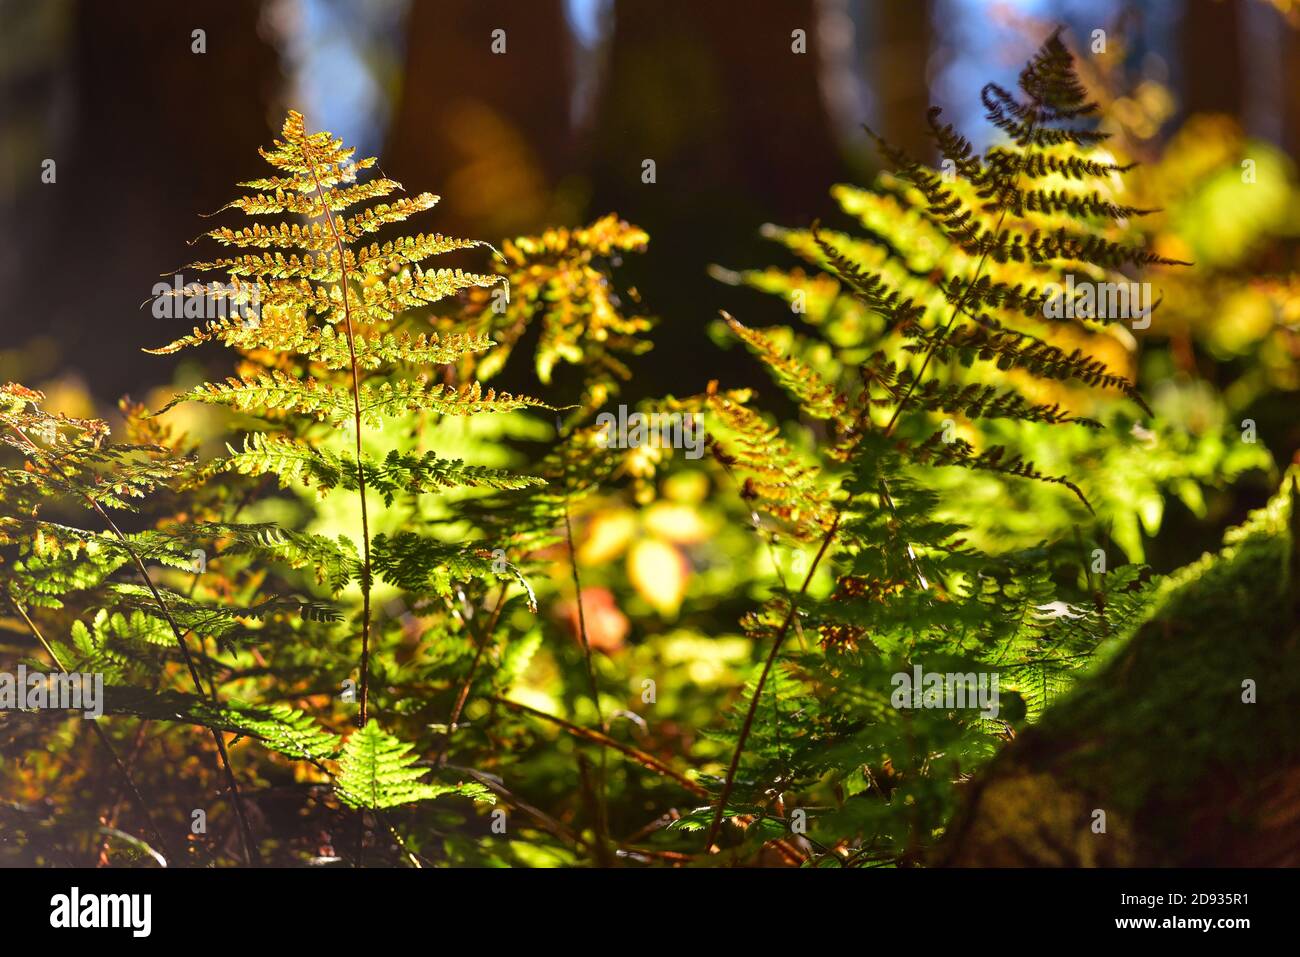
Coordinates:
x,y
147,134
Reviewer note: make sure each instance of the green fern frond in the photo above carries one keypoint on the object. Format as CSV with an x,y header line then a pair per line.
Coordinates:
x,y
376,771
293,461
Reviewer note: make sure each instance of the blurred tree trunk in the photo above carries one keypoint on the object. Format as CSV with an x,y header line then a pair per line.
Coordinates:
x,y
1291,91
156,135
718,101
1212,74
899,71
733,120
489,132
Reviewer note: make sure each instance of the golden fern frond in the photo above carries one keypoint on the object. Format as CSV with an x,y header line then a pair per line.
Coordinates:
x,y
305,204
413,288
293,460
424,349
815,396
304,182
410,395
374,218
563,279
295,284
379,258
273,394
313,236
306,154
375,259
774,477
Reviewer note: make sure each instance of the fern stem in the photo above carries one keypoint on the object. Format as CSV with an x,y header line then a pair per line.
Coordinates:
x,y
115,812
356,418
582,619
601,809
103,737
544,820
463,696
748,724
642,758
245,833
956,311
595,807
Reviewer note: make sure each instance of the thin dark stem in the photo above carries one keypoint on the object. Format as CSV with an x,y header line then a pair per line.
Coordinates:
x,y
115,812
600,846
356,419
748,724
730,782
103,739
582,634
245,833
582,619
544,820
956,311
596,737
482,642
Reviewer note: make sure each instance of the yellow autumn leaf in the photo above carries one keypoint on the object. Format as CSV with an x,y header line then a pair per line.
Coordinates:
x,y
659,573
680,524
693,486
607,536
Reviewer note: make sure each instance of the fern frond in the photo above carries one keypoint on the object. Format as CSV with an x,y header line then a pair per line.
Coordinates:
x,y
563,279
415,394
271,394
815,397
1017,350
774,478
279,727
376,771
335,561
295,461
421,564
959,452
971,399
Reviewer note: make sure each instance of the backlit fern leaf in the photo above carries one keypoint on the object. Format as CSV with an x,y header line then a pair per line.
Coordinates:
x,y
774,479
293,461
281,728
561,279
334,561
936,451
375,772
967,263
421,565
815,397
